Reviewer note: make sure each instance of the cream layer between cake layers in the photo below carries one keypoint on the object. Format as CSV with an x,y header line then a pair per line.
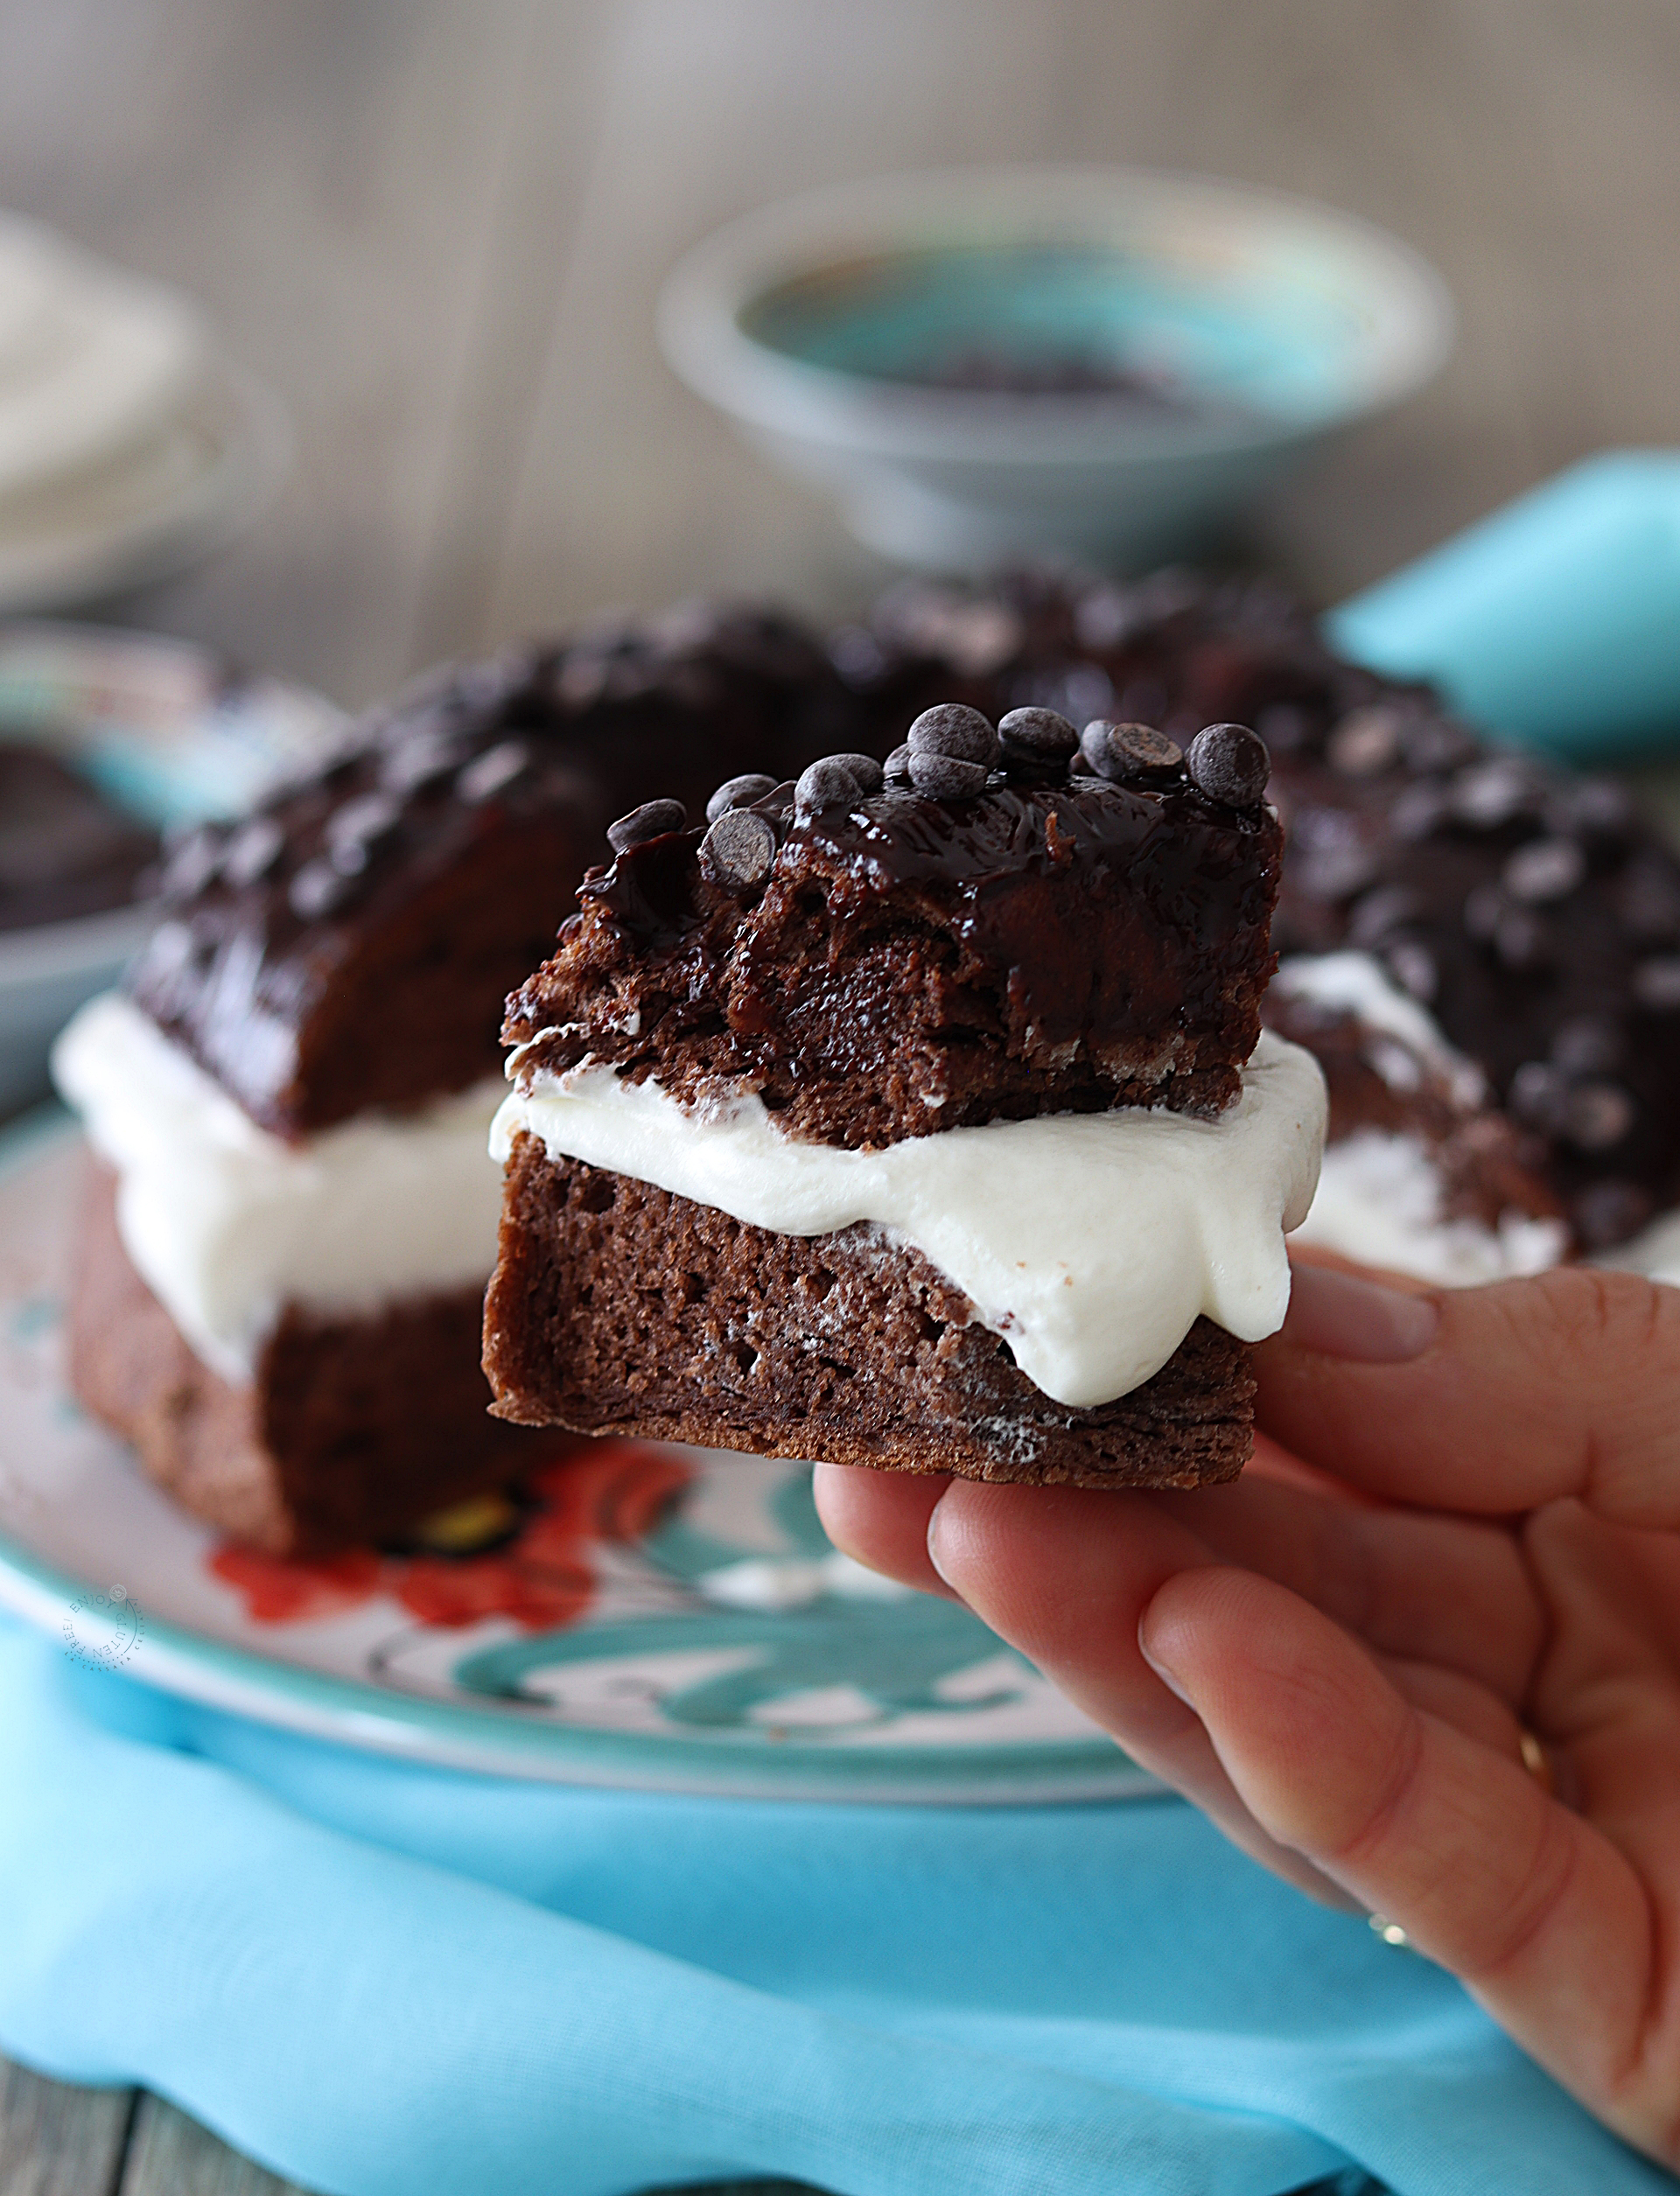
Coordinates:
x,y
228,1225
1091,1242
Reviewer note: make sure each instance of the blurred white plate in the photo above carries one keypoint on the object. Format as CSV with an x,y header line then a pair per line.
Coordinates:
x,y
92,360
155,506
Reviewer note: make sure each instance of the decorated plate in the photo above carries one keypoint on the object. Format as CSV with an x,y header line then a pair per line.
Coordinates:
x,y
634,1614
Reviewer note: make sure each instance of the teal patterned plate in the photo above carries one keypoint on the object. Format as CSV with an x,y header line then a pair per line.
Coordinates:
x,y
640,1615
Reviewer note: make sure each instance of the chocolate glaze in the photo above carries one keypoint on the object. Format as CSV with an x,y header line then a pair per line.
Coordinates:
x,y
416,876
916,964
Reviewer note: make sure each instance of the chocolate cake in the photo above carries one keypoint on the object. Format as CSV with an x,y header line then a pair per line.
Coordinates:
x,y
1527,910
1006,933
281,1292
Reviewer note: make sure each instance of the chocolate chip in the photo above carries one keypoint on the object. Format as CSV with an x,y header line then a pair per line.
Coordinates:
x,y
493,772
738,793
1122,751
1657,985
1228,763
1485,908
192,864
1490,794
652,821
1522,941
355,832
1431,742
827,784
738,850
866,772
945,777
1537,1095
1589,1044
1650,898
1108,618
1597,1116
320,889
1380,913
170,949
422,761
1545,870
252,852
1596,807
1335,870
1038,736
1414,969
952,729
1365,744
1609,1212
898,763
1420,811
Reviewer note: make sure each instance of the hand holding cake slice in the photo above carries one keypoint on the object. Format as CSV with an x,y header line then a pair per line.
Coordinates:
x,y
921,1121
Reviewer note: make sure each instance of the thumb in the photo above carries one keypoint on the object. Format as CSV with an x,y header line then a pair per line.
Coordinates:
x,y
1493,1400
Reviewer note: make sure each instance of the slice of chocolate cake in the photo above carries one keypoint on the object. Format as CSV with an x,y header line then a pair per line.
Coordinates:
x,y
920,1120
290,1230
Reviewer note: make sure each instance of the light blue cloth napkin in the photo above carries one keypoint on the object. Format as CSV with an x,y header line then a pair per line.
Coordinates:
x,y
1555,622
391,1980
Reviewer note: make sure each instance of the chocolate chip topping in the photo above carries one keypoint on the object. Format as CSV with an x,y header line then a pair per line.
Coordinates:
x,y
738,793
945,777
651,821
252,852
498,770
1040,736
898,763
1228,763
952,730
827,784
738,850
1122,752
1545,870
867,774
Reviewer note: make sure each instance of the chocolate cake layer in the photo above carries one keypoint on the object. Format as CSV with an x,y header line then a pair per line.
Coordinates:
x,y
414,880
350,1431
619,1308
902,963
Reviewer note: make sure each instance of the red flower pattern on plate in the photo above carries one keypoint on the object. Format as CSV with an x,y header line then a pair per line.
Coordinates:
x,y
542,1579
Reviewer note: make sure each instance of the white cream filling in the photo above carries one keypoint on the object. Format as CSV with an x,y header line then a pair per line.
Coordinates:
x,y
227,1224
1091,1242
1380,1201
1355,983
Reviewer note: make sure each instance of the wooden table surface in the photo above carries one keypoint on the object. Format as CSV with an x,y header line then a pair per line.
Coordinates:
x,y
437,227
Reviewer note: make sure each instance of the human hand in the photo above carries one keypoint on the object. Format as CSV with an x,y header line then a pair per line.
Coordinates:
x,y
1344,1664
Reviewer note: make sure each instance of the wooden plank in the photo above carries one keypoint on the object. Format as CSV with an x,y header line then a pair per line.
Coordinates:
x,y
58,2140
170,2154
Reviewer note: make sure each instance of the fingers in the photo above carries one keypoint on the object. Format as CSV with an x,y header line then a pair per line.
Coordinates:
x,y
1540,1915
1063,1573
1445,1590
880,1518
1494,1399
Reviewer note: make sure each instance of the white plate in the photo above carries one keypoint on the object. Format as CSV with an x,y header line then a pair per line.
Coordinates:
x,y
665,1619
153,506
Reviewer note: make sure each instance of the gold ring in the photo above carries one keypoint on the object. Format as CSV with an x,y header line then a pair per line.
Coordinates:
x,y
1537,1761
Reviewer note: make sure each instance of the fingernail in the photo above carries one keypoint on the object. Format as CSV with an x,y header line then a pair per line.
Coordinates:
x,y
1344,1315
1168,1678
932,1540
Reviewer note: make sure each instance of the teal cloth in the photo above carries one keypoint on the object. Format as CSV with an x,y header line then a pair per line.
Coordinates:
x,y
387,1979
1555,622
